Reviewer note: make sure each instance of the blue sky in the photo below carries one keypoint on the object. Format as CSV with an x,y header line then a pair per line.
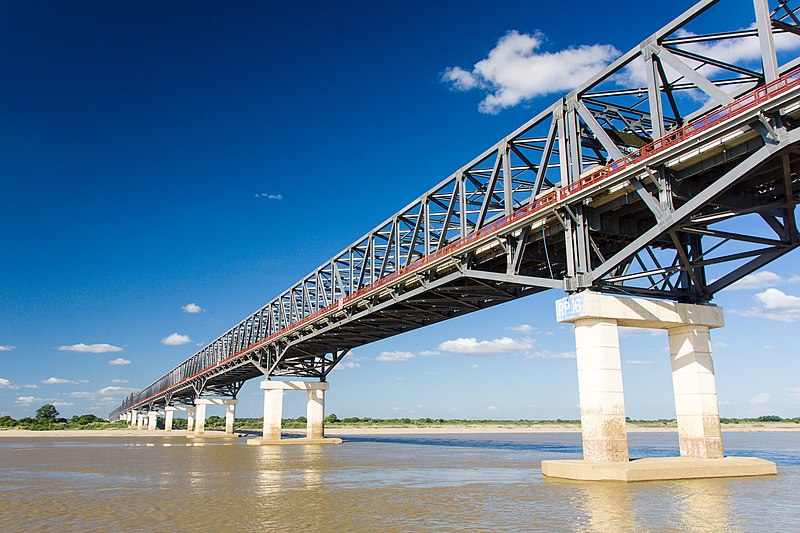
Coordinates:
x,y
159,154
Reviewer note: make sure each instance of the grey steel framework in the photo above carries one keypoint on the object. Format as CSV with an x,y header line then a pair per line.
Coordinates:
x,y
622,186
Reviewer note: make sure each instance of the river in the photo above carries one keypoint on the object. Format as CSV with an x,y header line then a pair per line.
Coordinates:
x,y
381,483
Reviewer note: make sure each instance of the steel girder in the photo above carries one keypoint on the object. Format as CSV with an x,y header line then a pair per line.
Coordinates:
x,y
623,185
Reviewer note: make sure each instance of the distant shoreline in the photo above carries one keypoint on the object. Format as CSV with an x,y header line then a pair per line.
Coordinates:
x,y
482,429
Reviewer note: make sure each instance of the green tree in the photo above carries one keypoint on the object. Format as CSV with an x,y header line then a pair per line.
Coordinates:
x,y
331,419
46,413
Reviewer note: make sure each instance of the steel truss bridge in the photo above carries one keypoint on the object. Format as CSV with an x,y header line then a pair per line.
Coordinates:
x,y
622,186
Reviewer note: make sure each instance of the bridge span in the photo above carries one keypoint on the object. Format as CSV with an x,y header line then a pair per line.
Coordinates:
x,y
625,193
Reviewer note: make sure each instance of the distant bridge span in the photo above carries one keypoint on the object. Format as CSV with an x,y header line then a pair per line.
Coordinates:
x,y
622,186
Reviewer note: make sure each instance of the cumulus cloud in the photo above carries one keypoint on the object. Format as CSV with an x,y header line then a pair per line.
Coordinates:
x,y
62,404
83,394
760,399
27,400
516,70
395,356
57,381
472,346
347,365
794,395
119,381
638,362
119,361
90,348
175,339
550,354
6,348
773,304
5,384
113,389
521,328
192,308
269,196
757,280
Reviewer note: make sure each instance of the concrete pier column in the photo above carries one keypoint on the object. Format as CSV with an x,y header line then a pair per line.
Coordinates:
x,y
134,417
695,389
602,402
230,415
169,413
190,418
315,412
273,411
200,416
152,420
140,421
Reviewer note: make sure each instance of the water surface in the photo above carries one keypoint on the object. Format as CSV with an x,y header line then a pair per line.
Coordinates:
x,y
381,483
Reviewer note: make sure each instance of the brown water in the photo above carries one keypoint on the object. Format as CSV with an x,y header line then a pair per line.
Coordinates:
x,y
421,483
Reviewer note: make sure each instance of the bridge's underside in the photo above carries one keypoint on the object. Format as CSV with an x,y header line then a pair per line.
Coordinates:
x,y
592,193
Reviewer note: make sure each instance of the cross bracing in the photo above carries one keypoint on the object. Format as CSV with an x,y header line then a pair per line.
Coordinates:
x,y
624,185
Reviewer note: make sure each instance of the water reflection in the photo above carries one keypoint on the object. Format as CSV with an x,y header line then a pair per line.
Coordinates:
x,y
607,507
703,505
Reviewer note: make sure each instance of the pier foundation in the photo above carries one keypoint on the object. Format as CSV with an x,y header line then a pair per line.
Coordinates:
x,y
605,446
199,416
273,412
169,413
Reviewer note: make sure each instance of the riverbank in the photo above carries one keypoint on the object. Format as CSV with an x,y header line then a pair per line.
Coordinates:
x,y
415,430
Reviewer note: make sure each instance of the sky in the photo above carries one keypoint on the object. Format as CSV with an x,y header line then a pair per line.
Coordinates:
x,y
166,168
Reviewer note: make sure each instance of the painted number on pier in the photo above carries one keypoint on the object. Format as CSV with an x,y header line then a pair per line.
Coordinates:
x,y
570,307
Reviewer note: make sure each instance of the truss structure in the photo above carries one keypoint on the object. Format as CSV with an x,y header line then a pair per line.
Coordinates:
x,y
628,184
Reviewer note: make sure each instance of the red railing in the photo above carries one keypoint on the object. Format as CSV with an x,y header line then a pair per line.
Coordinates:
x,y
707,121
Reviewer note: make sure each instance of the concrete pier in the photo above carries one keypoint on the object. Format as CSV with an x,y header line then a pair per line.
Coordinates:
x,y
152,420
169,413
199,413
273,412
605,446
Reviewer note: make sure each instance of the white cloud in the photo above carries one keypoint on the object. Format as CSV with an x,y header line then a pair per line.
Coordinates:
x,y
471,345
111,389
775,305
638,362
269,196
83,394
90,348
57,381
757,280
516,70
119,361
794,395
760,399
175,339
29,386
62,404
192,308
474,366
549,354
6,348
119,381
794,279
491,408
347,365
395,356
27,400
428,353
5,384
522,328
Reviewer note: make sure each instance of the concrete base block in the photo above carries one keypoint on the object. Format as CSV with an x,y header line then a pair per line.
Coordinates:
x,y
293,442
659,468
213,435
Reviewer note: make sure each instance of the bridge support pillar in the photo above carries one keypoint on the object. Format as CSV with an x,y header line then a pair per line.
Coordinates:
x,y
152,420
602,403
273,412
169,413
139,421
132,417
190,418
200,416
230,415
605,446
695,389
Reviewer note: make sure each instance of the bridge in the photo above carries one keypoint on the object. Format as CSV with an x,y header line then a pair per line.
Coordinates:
x,y
626,193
